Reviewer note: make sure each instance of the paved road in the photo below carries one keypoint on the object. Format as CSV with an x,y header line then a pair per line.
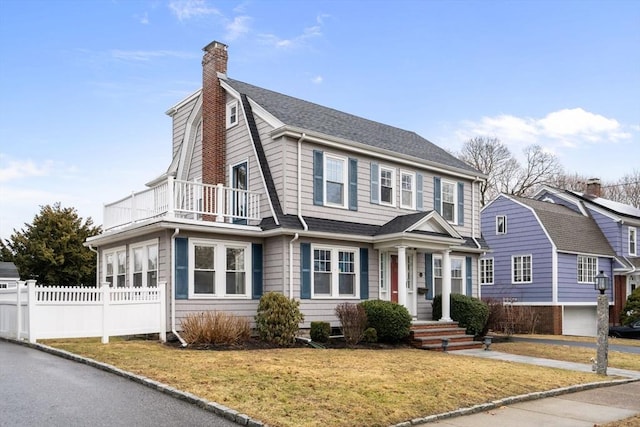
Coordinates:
x,y
38,389
612,345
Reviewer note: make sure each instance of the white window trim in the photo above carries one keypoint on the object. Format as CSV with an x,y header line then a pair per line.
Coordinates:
x,y
504,222
634,241
595,271
522,282
228,115
114,251
145,246
463,286
345,182
455,199
482,271
335,285
413,190
220,268
393,185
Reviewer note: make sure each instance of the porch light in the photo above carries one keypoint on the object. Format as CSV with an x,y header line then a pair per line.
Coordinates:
x,y
445,344
602,282
487,342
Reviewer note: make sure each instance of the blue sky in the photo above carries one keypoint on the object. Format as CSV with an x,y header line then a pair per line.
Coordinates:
x,y
84,84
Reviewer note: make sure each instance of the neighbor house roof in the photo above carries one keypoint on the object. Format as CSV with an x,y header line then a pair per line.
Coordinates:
x,y
609,205
8,270
569,230
313,117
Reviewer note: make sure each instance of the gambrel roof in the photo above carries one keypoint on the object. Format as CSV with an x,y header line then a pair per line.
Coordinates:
x,y
569,230
313,117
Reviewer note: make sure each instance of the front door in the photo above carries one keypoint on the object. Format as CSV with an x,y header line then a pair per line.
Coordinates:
x,y
394,278
620,298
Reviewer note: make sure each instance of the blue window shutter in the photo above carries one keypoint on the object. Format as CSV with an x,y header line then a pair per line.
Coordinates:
x,y
182,267
375,183
419,201
305,270
318,177
353,184
428,273
256,261
469,277
460,203
364,273
437,195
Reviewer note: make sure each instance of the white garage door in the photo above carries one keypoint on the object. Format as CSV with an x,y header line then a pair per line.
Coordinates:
x,y
580,321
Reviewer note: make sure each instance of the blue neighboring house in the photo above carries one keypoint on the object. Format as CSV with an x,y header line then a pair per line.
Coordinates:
x,y
619,223
545,255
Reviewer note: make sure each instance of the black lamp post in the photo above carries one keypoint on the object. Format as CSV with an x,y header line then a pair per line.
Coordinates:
x,y
602,284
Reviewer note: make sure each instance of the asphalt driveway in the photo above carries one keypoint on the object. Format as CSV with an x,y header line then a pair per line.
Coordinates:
x,y
38,389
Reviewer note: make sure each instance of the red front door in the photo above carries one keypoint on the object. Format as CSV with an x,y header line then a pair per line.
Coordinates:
x,y
620,298
394,278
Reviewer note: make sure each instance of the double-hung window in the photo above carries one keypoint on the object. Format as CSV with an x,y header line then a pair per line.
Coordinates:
x,y
115,261
521,269
232,113
501,224
457,275
407,190
335,180
387,180
587,269
449,199
632,241
486,271
335,272
218,269
144,264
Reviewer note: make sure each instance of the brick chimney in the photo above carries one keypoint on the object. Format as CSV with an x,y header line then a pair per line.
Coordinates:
x,y
214,127
593,187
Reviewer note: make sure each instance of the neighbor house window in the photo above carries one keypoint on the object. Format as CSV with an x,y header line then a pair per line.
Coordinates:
x,y
449,198
501,224
632,241
587,269
335,272
335,180
232,113
486,271
218,269
521,269
457,275
115,261
387,179
407,190
144,264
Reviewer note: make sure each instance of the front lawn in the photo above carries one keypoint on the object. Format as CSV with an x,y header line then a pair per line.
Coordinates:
x,y
312,387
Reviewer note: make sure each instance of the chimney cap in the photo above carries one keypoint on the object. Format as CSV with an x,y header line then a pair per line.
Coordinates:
x,y
213,45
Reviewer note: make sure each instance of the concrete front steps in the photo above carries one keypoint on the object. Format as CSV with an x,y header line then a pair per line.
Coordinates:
x,y
428,336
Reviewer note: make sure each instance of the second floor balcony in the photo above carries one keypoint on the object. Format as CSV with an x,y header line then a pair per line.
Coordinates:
x,y
184,199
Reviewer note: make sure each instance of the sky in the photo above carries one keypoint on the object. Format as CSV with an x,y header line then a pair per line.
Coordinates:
x,y
84,85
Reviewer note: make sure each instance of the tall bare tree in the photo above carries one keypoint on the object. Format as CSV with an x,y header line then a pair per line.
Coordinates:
x,y
540,168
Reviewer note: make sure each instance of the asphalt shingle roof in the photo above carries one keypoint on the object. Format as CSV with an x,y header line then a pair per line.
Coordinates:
x,y
8,270
569,230
307,115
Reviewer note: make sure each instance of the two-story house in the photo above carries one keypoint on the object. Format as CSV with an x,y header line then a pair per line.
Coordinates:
x,y
267,192
619,223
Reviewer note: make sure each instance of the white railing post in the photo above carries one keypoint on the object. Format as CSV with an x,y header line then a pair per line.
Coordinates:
x,y
162,291
104,293
133,213
219,203
171,205
31,310
18,309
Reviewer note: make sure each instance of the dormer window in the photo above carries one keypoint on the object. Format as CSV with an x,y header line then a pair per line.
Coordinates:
x,y
632,241
232,113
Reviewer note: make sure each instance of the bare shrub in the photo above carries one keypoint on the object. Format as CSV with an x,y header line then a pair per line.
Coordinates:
x,y
211,327
353,319
509,319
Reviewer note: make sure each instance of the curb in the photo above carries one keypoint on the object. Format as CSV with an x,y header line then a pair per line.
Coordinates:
x,y
216,408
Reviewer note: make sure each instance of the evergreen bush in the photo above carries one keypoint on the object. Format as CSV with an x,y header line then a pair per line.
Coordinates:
x,y
469,312
320,331
278,319
631,310
391,321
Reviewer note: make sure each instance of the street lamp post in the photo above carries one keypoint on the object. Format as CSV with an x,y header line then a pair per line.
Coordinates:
x,y
602,284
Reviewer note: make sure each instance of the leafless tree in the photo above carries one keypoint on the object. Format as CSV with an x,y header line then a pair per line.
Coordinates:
x,y
540,168
626,190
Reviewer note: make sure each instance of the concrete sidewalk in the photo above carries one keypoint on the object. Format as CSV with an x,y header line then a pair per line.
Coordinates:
x,y
573,409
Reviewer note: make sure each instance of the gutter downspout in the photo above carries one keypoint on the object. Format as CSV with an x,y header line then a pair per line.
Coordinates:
x,y
291,265
305,227
97,265
473,212
173,290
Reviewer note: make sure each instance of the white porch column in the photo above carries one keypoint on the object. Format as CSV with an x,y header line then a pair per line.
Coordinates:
x,y
402,276
446,287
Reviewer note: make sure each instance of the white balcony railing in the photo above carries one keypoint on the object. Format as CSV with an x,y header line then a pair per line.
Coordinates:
x,y
184,199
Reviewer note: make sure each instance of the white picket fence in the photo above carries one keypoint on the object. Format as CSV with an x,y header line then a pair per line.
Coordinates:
x,y
34,312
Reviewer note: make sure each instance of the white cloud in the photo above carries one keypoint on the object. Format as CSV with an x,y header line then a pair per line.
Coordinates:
x,y
317,80
144,19
11,170
238,27
577,121
296,41
187,9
